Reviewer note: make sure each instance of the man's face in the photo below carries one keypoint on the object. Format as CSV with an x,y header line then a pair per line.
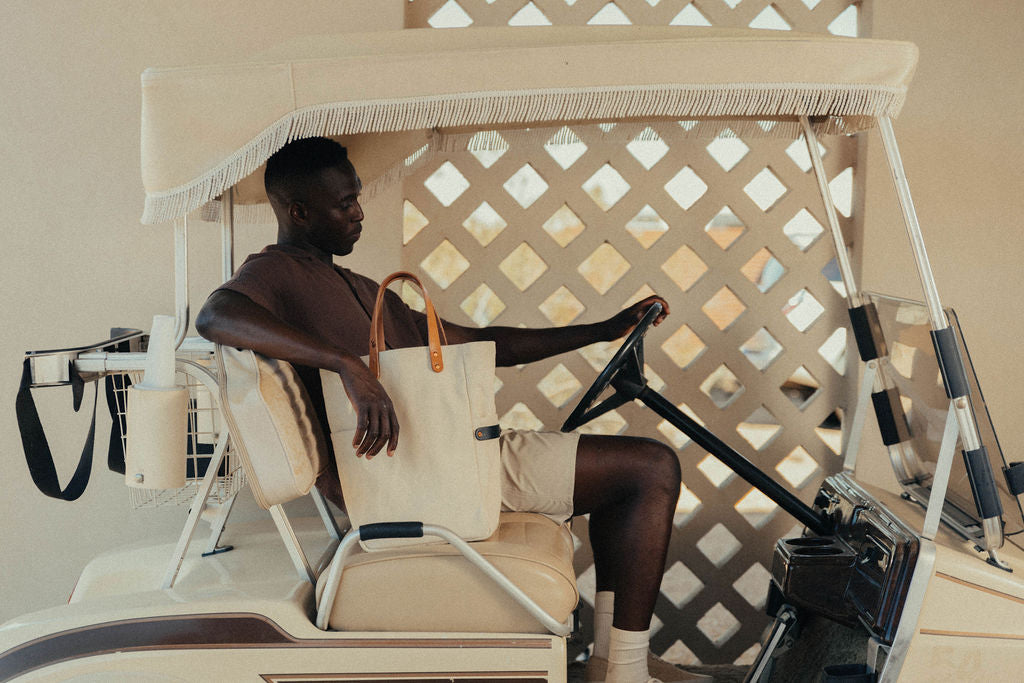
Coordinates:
x,y
333,214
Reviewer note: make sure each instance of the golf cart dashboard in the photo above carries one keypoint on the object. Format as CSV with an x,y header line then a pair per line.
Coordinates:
x,y
857,575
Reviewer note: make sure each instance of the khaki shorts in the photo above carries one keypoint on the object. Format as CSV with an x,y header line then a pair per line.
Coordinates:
x,y
538,472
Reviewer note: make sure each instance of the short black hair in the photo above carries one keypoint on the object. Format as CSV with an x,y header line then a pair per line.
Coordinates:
x,y
299,160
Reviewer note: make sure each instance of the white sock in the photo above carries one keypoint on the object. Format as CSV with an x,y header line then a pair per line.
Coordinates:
x,y
627,656
604,606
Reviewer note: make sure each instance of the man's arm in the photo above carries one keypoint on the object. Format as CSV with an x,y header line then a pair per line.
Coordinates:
x,y
233,319
516,345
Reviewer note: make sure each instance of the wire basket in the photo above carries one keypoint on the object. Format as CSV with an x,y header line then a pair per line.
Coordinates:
x,y
205,427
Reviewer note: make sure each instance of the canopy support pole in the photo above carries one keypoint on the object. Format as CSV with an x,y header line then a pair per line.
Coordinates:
x,y
842,255
181,312
227,234
951,363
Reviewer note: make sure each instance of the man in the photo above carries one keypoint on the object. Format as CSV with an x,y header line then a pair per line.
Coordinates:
x,y
291,302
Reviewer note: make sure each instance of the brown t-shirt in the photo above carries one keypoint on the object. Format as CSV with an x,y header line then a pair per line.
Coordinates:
x,y
328,301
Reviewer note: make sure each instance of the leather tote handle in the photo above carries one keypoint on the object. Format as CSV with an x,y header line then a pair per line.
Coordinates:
x,y
435,333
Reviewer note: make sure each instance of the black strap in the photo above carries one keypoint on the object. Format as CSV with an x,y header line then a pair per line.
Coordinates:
x,y
118,420
37,450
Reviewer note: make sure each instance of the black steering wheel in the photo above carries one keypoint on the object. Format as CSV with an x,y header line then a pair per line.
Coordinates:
x,y
624,372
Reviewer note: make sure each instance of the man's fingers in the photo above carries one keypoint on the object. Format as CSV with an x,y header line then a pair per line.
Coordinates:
x,y
362,422
393,419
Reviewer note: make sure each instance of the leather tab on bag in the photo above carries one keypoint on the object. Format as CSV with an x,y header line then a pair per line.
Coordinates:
x,y
1015,477
486,433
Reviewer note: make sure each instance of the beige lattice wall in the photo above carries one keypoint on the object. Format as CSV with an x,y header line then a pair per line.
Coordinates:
x,y
729,230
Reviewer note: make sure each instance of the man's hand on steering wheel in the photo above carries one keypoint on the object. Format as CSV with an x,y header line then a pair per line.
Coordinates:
x,y
620,324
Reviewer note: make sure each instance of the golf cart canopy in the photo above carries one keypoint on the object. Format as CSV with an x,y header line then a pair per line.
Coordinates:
x,y
392,97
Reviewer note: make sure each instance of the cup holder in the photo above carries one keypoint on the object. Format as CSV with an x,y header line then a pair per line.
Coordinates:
x,y
818,550
808,541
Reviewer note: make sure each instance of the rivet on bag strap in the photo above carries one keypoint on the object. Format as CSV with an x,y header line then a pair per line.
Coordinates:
x,y
435,332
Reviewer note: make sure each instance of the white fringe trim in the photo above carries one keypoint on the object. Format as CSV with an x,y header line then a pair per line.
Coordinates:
x,y
848,108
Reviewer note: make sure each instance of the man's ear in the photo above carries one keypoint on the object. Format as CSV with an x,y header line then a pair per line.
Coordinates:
x,y
297,213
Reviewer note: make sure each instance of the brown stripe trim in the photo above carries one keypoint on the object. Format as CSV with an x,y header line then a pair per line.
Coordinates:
x,y
990,591
971,634
412,677
205,631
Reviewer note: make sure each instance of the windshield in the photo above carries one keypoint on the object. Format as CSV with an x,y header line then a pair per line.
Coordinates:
x,y
912,368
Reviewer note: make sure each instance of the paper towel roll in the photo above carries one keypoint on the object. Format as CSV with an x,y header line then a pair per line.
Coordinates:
x,y
155,450
159,370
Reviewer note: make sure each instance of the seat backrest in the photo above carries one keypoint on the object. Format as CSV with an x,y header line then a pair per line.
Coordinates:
x,y
273,425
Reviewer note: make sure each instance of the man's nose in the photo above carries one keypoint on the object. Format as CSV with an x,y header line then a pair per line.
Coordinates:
x,y
357,211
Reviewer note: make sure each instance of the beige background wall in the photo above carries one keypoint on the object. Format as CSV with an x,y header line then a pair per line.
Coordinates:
x,y
77,262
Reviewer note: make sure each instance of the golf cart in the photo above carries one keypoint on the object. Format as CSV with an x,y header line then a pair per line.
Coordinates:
x,y
868,585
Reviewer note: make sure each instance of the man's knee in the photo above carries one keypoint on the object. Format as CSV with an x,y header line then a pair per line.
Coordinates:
x,y
660,467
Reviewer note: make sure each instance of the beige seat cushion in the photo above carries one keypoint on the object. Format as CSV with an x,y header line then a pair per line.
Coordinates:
x,y
433,588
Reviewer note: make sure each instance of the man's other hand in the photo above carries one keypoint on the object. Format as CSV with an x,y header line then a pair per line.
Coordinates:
x,y
620,324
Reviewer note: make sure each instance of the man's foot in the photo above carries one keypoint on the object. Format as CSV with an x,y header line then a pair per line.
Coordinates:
x,y
658,668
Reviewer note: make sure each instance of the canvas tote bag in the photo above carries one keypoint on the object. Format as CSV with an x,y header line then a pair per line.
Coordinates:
x,y
445,469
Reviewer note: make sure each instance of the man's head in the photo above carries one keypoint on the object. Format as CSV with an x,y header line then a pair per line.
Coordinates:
x,y
314,191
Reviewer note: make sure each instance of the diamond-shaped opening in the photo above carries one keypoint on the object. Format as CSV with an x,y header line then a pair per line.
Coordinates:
x,y
830,431
487,147
562,307
686,187
749,656
802,310
564,226
770,18
718,545
683,347
498,384
759,428
732,3
450,15
718,624
610,15
686,506
484,224
565,147
723,308
801,387
681,655
610,424
811,4
841,188
520,416
684,268
797,151
647,148
586,582
834,350
559,385
606,187
716,471
529,15
722,387
647,226
901,358
599,353
845,24
803,229
680,585
678,439
756,508
725,228
763,269
753,585
445,264
446,183
413,221
654,381
412,297
797,468
765,189
523,266
525,186
603,268
834,277
482,306
727,149
690,16
761,349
